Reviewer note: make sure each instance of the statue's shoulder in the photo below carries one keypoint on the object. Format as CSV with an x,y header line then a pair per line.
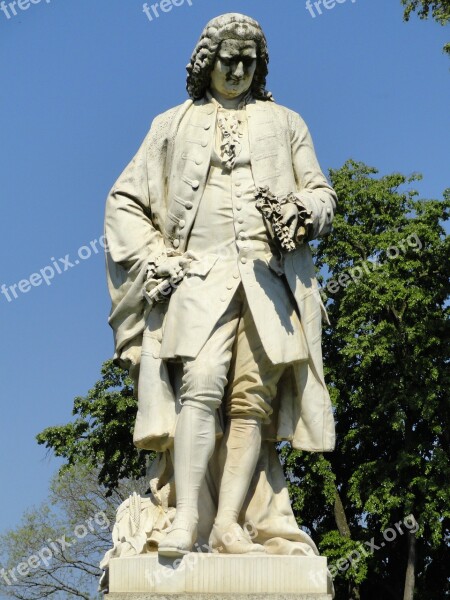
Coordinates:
x,y
163,123
291,115
286,116
162,131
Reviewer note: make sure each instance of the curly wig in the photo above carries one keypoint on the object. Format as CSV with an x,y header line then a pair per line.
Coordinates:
x,y
229,26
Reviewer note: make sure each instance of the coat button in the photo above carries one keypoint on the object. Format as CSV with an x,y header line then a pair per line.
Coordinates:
x,y
240,220
238,194
230,285
243,260
236,275
204,143
188,205
238,206
182,223
198,161
195,184
176,243
207,126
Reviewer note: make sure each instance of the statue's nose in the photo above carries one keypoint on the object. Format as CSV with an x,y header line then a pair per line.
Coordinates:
x,y
239,71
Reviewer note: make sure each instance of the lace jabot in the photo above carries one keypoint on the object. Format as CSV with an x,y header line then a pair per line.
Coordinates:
x,y
231,125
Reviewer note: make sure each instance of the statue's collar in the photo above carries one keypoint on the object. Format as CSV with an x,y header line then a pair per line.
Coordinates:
x,y
245,100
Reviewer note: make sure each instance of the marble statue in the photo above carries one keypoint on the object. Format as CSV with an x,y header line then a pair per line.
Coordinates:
x,y
215,307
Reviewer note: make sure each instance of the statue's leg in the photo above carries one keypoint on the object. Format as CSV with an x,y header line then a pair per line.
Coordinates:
x,y
242,445
193,447
202,390
253,385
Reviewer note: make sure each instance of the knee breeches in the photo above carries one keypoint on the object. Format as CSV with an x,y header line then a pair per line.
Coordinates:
x,y
233,367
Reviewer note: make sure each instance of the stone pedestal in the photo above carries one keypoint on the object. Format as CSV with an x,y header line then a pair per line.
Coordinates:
x,y
218,576
150,596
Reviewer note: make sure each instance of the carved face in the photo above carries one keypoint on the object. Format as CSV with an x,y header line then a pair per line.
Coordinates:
x,y
234,68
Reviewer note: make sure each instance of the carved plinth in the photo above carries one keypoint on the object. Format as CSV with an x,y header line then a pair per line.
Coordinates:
x,y
213,576
150,596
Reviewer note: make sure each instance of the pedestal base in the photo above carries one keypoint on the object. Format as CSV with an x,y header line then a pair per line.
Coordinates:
x,y
150,596
211,576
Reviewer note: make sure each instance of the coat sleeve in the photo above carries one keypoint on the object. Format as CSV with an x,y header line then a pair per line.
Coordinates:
x,y
313,189
133,238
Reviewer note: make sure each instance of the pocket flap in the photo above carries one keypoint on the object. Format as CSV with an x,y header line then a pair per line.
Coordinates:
x,y
203,266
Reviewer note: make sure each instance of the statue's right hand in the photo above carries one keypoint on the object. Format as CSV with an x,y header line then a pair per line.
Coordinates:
x,y
175,267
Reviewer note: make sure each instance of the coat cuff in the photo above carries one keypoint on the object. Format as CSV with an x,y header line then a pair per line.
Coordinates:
x,y
305,219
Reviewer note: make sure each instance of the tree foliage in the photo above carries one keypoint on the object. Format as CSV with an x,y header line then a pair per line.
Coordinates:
x,y
102,433
56,549
386,356
438,9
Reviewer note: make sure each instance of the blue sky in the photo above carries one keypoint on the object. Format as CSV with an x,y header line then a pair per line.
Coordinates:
x,y
80,83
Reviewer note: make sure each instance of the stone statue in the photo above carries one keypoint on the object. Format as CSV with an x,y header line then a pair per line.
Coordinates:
x,y
216,309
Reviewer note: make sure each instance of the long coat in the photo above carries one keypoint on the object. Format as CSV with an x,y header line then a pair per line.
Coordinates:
x,y
152,207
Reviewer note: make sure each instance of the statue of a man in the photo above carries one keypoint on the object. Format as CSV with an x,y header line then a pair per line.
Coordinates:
x,y
218,322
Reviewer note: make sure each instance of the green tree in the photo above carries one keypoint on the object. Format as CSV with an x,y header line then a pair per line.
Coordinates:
x,y
439,10
102,433
386,355
56,549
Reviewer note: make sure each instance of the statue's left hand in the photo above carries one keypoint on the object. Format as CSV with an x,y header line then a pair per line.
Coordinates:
x,y
131,353
289,212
